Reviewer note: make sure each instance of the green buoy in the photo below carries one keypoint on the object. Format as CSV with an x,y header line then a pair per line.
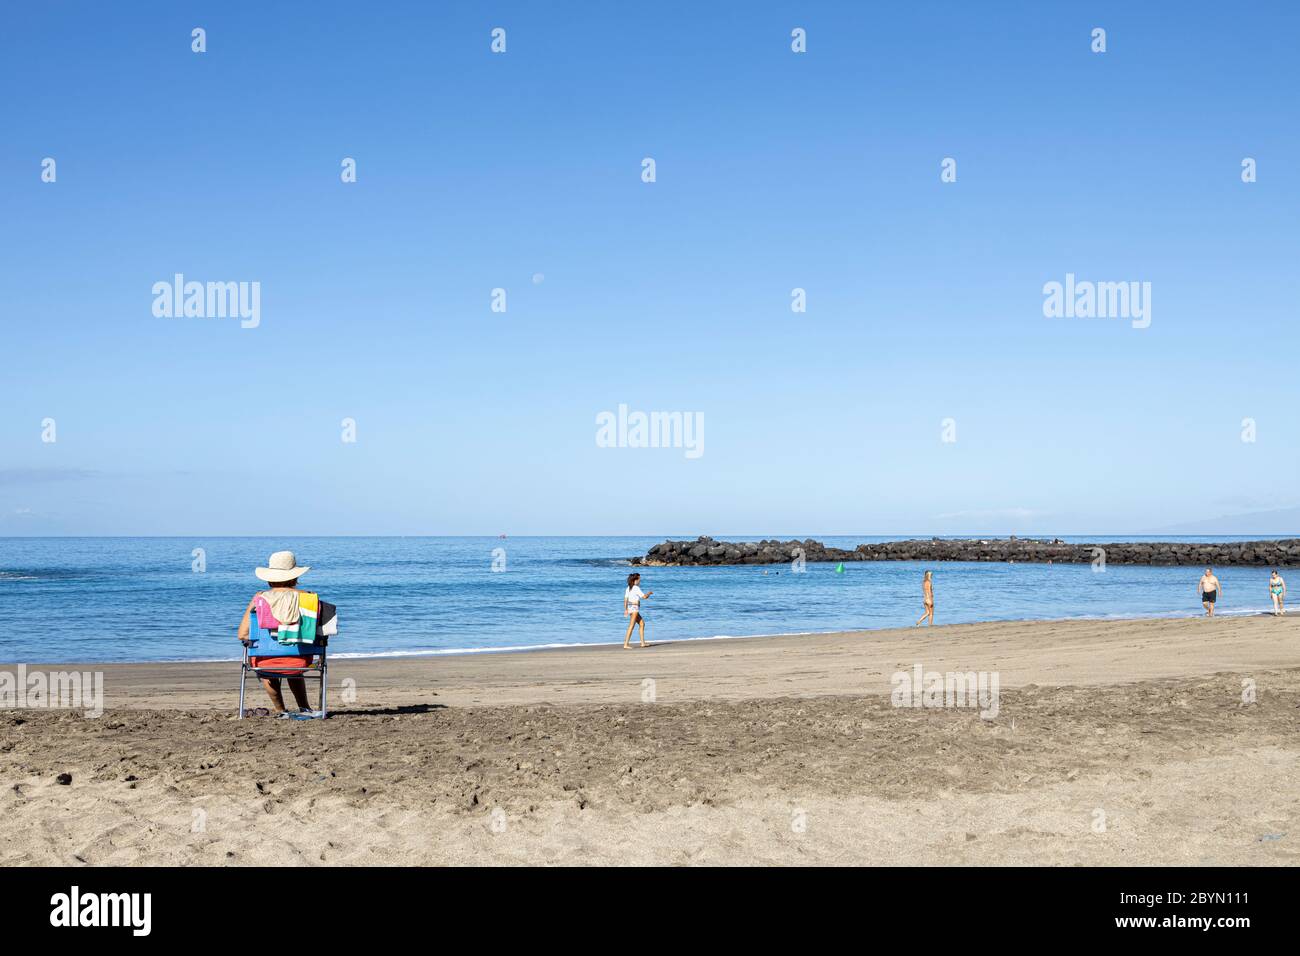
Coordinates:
x,y
839,568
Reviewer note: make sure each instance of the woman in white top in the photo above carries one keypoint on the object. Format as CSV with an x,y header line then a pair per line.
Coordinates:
x,y
632,598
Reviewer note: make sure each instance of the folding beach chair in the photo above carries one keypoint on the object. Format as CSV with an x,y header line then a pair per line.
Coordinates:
x,y
262,643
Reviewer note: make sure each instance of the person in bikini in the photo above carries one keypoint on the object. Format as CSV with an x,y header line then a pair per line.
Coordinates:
x,y
1277,591
927,594
1210,591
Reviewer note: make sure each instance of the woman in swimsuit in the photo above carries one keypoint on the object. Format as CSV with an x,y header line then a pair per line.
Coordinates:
x,y
927,593
1277,591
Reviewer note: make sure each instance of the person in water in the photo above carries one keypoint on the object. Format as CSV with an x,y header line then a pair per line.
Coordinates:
x,y
632,599
1277,591
282,573
927,593
1210,591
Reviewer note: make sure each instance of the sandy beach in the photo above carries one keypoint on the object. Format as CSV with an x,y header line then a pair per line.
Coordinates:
x,y
1114,742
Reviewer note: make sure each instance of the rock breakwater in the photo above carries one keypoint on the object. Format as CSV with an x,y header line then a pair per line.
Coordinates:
x,y
707,551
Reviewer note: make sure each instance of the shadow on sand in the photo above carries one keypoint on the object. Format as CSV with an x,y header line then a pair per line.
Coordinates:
x,y
403,711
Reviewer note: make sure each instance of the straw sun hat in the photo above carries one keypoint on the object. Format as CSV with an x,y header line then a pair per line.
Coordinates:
x,y
281,566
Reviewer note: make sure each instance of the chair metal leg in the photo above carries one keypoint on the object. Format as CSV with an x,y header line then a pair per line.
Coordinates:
x,y
245,668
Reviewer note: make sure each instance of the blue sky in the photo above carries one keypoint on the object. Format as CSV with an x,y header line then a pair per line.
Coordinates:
x,y
522,171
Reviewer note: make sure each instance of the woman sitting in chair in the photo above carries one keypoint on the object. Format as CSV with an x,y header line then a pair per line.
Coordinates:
x,y
283,604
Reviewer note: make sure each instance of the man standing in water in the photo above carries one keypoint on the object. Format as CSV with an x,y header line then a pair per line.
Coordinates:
x,y
1209,588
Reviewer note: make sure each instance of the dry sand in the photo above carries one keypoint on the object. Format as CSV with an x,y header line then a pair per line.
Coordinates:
x,y
1121,742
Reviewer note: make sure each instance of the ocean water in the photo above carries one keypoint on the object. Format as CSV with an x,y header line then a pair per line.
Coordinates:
x,y
134,599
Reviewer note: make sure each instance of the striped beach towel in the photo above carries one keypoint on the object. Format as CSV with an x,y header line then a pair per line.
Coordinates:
x,y
301,631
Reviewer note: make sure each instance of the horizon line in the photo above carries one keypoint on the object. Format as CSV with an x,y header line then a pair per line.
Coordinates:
x,y
741,537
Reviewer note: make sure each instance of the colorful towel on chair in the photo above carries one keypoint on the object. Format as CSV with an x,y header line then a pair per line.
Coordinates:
x,y
327,624
298,624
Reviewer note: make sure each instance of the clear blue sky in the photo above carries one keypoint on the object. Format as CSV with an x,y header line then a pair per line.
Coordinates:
x,y
775,170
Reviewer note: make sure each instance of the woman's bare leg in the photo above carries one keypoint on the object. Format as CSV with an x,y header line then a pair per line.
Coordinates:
x,y
627,638
272,685
299,688
642,622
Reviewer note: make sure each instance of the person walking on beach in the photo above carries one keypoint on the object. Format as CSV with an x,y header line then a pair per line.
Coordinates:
x,y
632,599
927,593
1277,591
1210,590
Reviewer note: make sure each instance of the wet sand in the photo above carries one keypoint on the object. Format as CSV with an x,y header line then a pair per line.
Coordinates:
x,y
1145,742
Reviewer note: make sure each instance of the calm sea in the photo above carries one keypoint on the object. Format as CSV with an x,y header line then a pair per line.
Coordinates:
x,y
134,599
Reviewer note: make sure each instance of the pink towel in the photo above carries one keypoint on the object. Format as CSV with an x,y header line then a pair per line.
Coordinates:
x,y
265,618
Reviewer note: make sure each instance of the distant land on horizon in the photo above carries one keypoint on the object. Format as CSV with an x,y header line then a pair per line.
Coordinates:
x,y
1278,523
1282,522
1233,526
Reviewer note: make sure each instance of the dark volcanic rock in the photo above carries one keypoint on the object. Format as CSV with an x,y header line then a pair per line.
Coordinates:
x,y
706,551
